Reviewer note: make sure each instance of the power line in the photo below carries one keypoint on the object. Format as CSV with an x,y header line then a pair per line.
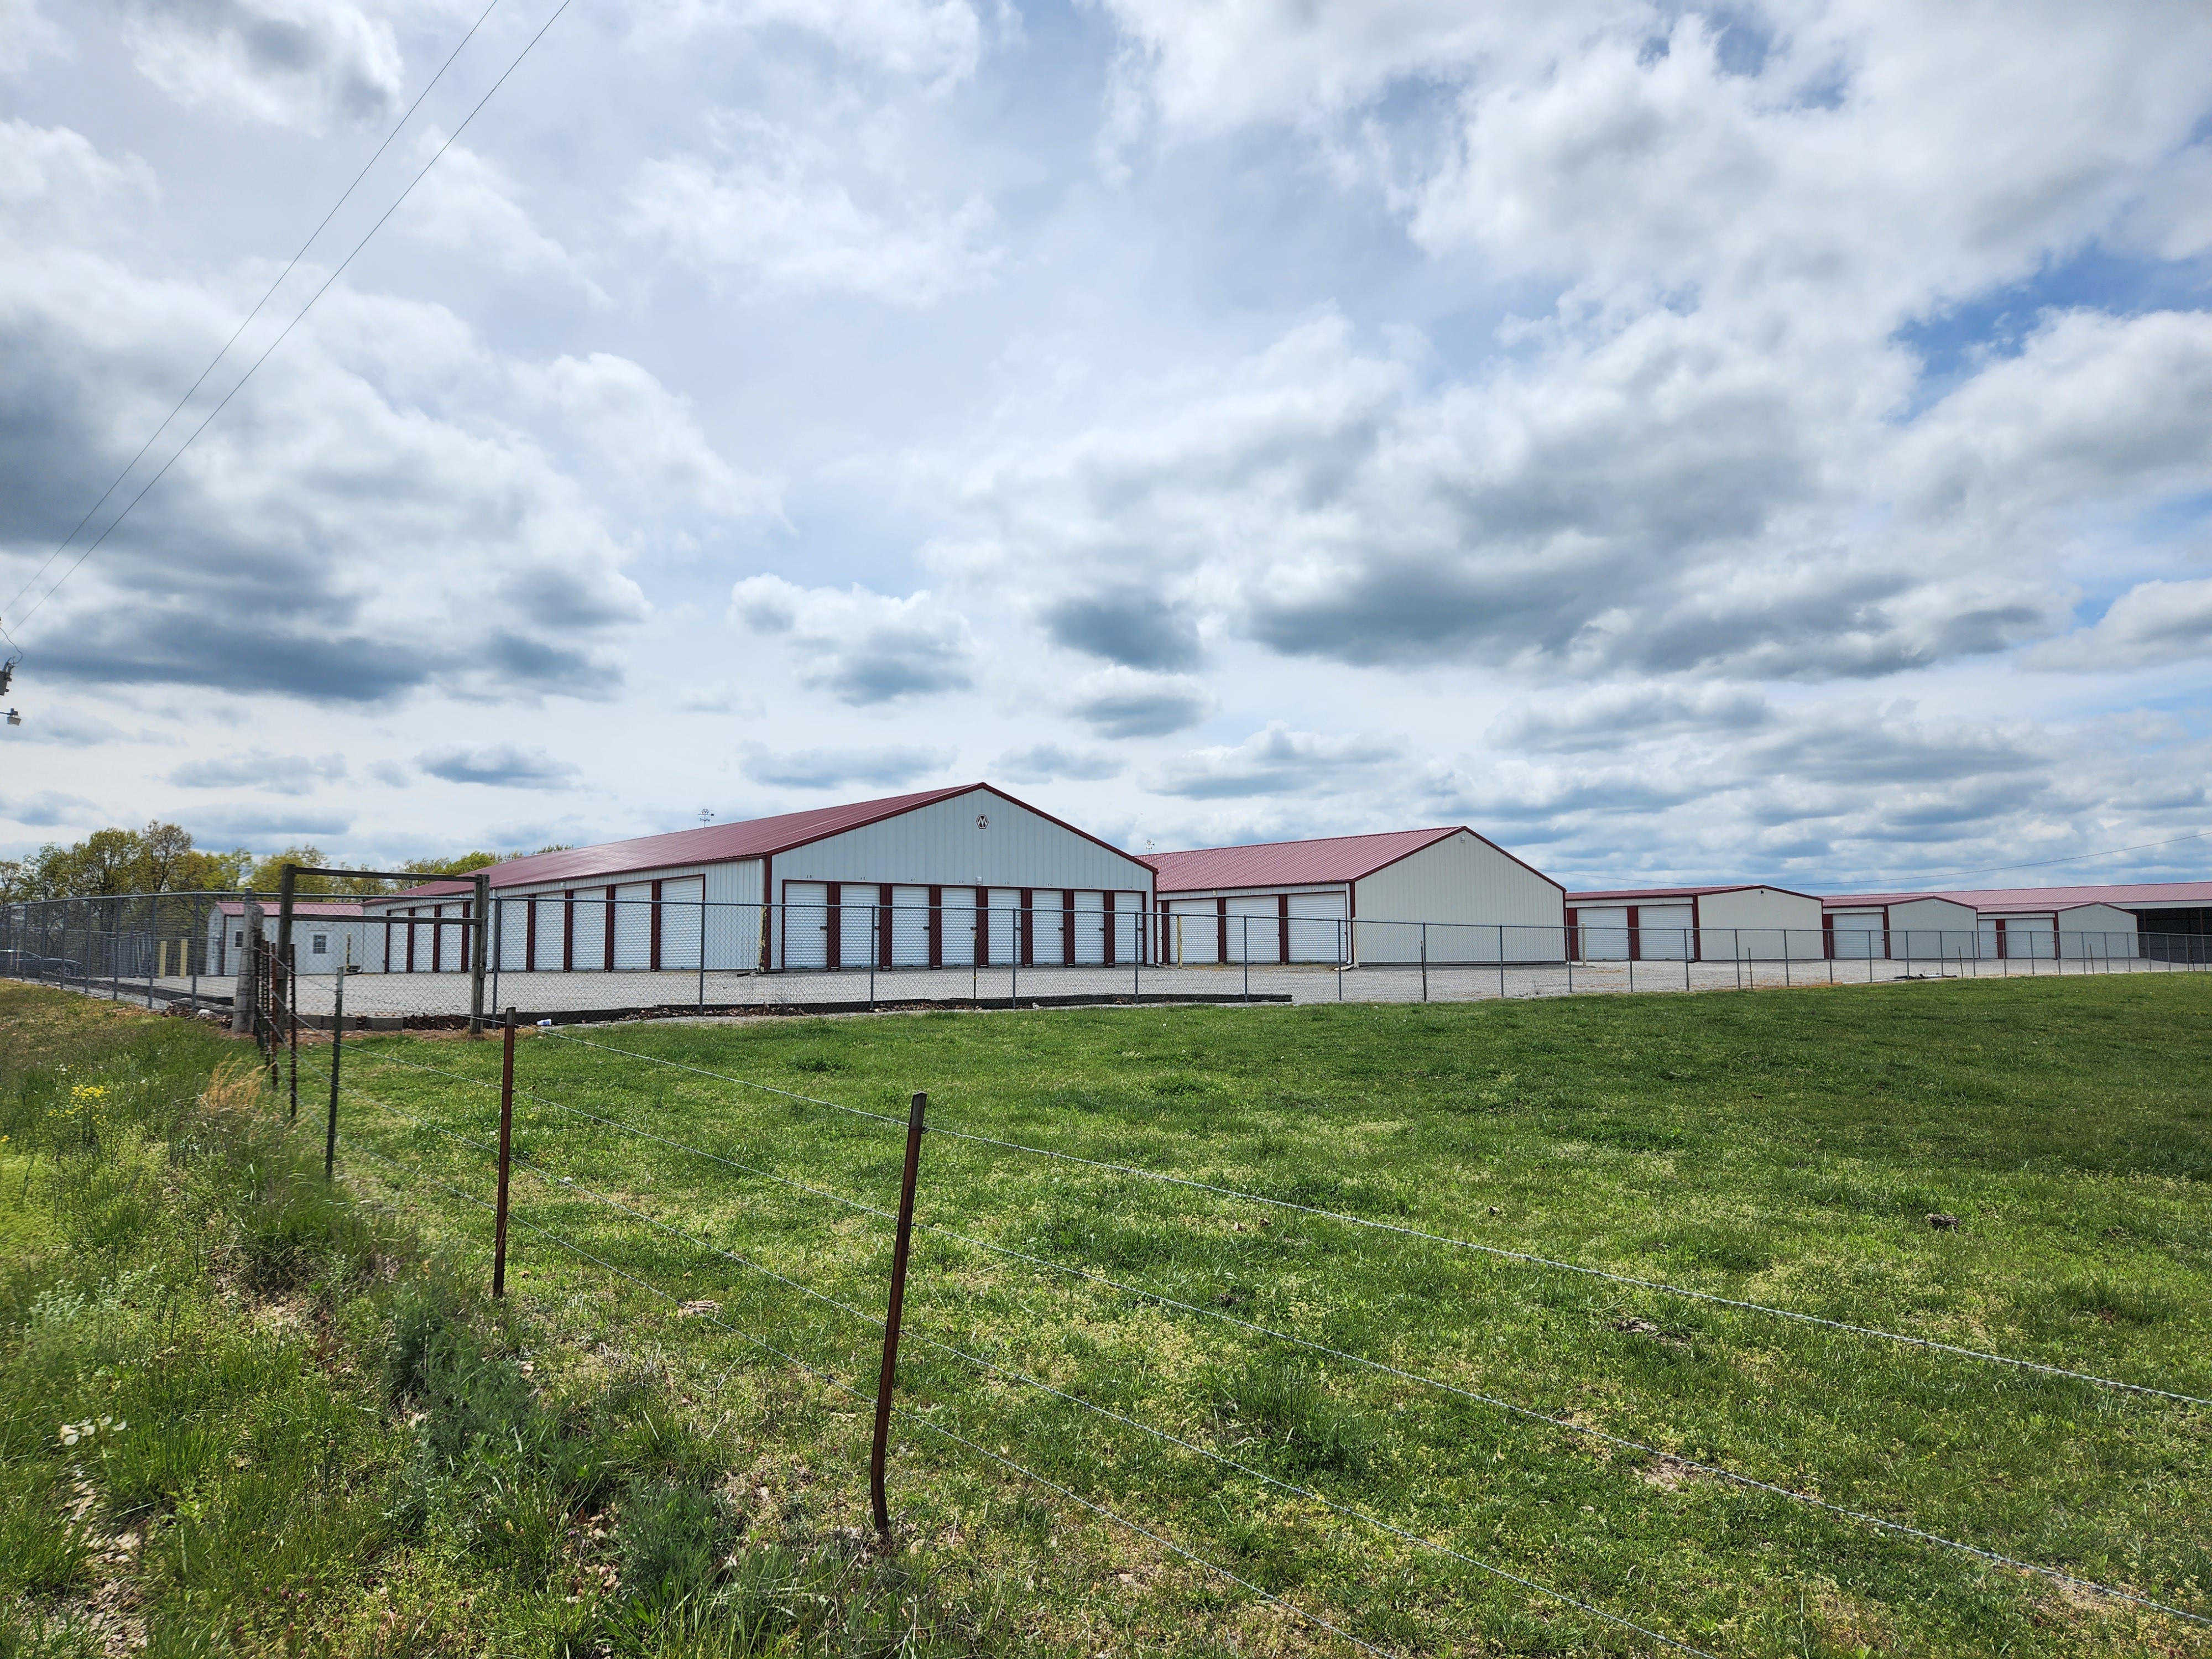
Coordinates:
x,y
473,112
259,305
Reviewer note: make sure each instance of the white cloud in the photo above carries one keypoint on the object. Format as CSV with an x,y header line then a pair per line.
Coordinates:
x,y
634,427
860,646
276,775
886,767
502,766
782,213
1276,761
2152,623
937,42
26,36
470,204
298,63
1127,703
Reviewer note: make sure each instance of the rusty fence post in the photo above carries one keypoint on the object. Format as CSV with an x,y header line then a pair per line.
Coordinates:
x,y
889,1374
506,1143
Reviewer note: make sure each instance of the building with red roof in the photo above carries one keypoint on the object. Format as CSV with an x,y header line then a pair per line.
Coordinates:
x,y
1446,892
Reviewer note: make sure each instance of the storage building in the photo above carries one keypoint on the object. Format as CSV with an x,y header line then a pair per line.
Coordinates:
x,y
1696,924
1899,927
1356,899
323,933
946,878
2169,921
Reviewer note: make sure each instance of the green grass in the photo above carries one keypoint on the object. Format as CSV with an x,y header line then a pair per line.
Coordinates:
x,y
1785,1147
240,1414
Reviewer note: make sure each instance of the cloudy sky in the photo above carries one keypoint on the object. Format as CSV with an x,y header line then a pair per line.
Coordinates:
x,y
1764,441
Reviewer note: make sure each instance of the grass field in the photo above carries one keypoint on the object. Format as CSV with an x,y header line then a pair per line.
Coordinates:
x,y
1783,1148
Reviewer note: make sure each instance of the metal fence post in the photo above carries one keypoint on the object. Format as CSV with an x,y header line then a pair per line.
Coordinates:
x,y
506,1141
1501,961
292,1008
191,956
889,1374
702,942
1244,951
481,908
1424,962
337,1053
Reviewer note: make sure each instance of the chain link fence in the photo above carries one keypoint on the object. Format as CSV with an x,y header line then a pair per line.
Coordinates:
x,y
606,958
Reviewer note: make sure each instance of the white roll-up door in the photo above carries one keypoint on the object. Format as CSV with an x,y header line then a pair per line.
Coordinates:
x,y
1856,934
633,925
1091,927
1254,928
1663,931
1605,933
1005,932
1317,927
910,926
806,924
552,911
1193,933
958,935
680,917
1045,928
1128,924
856,923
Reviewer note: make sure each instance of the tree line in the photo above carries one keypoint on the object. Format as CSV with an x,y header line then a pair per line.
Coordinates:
x,y
162,859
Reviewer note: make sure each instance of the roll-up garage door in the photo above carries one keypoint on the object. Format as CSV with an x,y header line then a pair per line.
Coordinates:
x,y
633,925
681,917
1663,931
1006,928
1091,927
1604,933
1317,927
1128,926
1254,928
959,927
1193,933
910,926
552,936
856,923
806,924
1857,933
1045,927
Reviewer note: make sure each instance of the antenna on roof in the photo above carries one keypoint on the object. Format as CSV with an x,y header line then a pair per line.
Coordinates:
x,y
705,815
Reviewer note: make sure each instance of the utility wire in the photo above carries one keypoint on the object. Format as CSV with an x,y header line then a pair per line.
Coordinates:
x,y
1619,1441
281,337
918,1418
1530,1413
1498,1251
562,1183
259,304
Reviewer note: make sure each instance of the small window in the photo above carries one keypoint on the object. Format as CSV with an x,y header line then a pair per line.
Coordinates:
x,y
322,945
239,938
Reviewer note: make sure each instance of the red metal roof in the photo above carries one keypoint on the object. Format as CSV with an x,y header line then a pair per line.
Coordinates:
x,y
713,843
2166,895
1296,863
1636,895
328,908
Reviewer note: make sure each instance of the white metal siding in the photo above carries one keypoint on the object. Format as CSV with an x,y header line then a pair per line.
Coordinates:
x,y
940,842
1762,924
1461,879
2098,931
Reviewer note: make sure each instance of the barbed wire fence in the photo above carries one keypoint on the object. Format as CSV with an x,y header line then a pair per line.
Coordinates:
x,y
495,1157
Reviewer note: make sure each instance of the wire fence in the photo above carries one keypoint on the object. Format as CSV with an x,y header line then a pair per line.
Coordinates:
x,y
931,1398
596,957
